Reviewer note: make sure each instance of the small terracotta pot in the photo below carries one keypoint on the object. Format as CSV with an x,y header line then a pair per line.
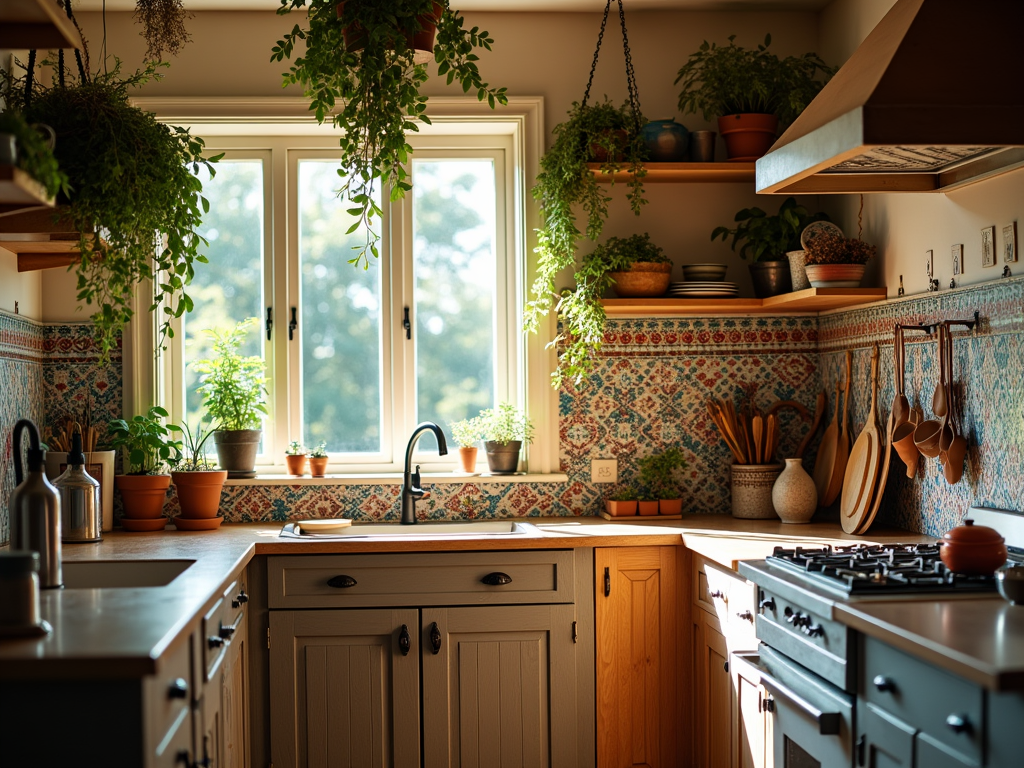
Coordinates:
x,y
199,492
318,466
620,508
835,275
748,136
973,550
296,464
648,507
644,279
670,507
467,457
143,495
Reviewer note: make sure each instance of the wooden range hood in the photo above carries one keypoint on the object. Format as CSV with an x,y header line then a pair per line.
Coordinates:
x,y
932,100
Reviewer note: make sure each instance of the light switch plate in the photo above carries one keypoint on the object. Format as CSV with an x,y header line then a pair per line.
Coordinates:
x,y
1010,243
929,260
604,471
957,254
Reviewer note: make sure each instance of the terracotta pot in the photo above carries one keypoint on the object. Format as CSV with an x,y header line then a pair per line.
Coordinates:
x,y
644,279
752,490
749,136
199,492
620,508
422,42
973,550
647,508
143,495
296,464
598,154
467,457
318,466
670,507
835,275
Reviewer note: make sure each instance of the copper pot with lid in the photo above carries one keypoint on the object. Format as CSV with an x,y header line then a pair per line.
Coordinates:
x,y
973,550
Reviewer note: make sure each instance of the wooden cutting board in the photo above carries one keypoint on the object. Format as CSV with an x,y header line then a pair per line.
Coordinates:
x,y
827,453
843,445
883,478
862,470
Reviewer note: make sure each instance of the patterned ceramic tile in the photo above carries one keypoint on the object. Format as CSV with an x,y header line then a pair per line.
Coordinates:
x,y
74,379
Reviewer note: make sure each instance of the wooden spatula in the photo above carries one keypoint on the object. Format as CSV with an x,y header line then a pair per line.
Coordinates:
x,y
827,453
862,469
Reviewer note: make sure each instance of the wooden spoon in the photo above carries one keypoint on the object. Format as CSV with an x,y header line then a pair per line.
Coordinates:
x,y
900,404
757,428
827,453
862,470
939,398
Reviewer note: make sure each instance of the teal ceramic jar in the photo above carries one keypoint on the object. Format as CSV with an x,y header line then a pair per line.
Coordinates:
x,y
667,141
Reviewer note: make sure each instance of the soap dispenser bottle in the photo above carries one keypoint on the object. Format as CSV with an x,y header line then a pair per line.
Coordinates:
x,y
35,509
81,510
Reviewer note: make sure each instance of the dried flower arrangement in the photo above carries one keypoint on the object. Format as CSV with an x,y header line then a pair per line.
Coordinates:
x,y
831,248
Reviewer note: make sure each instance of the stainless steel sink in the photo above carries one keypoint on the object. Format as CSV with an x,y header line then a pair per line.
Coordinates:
x,y
482,528
113,574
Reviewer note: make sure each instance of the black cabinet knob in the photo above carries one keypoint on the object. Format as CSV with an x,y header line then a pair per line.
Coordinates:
x,y
178,689
496,579
745,616
717,594
214,641
769,704
884,684
240,599
342,582
404,641
435,638
227,632
958,724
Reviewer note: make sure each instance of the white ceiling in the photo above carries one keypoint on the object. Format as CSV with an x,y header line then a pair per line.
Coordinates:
x,y
500,5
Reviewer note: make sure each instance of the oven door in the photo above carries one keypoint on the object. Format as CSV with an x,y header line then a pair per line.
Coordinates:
x,y
812,720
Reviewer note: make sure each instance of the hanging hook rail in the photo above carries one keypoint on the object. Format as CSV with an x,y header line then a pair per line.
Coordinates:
x,y
930,328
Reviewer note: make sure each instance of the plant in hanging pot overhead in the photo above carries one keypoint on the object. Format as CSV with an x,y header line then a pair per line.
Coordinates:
x,y
765,240
233,388
506,429
467,433
147,446
361,73
834,261
197,481
752,92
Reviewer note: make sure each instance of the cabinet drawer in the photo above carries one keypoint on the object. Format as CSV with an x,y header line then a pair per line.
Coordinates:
x,y
925,697
221,623
167,698
450,578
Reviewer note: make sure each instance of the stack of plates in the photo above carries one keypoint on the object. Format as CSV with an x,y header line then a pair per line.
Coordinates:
x,y
702,290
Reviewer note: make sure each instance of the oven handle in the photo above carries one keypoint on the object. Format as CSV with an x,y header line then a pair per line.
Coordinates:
x,y
828,722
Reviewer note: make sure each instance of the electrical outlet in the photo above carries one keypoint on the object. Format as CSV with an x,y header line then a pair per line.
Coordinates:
x,y
604,471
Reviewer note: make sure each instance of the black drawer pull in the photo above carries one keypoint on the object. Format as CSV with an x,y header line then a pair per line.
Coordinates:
x,y
342,582
884,684
226,631
214,642
404,641
717,594
745,616
435,638
178,689
958,724
496,579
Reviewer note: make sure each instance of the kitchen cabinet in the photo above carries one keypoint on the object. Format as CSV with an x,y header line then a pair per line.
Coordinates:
x,y
641,647
751,720
712,694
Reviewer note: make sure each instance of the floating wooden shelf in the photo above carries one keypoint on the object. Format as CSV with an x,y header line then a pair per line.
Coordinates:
x,y
27,24
19,191
40,238
809,300
684,173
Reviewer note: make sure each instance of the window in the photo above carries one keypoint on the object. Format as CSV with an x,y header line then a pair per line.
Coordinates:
x,y
345,368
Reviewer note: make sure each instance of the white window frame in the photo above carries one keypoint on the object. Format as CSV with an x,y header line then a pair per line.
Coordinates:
x,y
521,123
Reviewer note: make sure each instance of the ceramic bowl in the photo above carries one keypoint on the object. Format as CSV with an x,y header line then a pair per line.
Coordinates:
x,y
704,272
1010,582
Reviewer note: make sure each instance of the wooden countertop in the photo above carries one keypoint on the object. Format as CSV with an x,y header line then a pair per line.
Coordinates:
x,y
124,632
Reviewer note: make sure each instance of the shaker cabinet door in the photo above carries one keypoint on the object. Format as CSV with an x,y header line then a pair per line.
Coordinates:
x,y
342,692
886,741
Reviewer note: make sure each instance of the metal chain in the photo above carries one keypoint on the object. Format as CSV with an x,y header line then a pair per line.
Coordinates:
x,y
28,77
78,54
597,51
634,93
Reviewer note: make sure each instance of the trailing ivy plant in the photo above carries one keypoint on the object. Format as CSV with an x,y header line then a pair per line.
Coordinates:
x,y
135,195
564,182
370,89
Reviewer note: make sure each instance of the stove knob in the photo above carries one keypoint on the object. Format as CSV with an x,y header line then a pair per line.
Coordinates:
x,y
958,724
884,684
814,630
767,605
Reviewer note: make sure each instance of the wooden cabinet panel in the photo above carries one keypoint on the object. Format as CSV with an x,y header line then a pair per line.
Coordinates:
x,y
501,688
235,701
713,695
342,692
640,642
751,726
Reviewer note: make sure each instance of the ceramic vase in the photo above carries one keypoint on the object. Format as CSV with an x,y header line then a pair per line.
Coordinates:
x,y
794,495
752,490
666,140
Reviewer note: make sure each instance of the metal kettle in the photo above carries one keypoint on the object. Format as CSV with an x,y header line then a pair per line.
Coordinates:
x,y
35,509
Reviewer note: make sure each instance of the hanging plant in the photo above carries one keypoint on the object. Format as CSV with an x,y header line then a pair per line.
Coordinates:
x,y
601,133
361,74
163,26
134,193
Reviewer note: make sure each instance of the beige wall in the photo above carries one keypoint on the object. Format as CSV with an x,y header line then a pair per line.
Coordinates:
x,y
23,289
905,226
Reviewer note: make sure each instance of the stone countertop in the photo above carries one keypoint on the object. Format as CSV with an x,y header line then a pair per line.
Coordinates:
x,y
124,632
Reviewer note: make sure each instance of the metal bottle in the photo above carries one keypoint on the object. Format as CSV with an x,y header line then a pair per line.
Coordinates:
x,y
81,509
35,509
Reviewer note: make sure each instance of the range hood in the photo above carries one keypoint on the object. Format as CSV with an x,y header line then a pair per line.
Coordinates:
x,y
932,100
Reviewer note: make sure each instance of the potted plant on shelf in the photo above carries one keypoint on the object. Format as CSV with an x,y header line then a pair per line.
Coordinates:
x,y
766,239
34,155
136,210
295,458
147,446
623,503
466,433
752,92
197,481
565,182
505,430
233,388
361,73
659,477
318,460
834,261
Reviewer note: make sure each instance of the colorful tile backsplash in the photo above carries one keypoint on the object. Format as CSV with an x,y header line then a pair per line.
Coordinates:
x,y
647,392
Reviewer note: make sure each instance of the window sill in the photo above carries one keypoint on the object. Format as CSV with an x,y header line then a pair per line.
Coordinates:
x,y
437,478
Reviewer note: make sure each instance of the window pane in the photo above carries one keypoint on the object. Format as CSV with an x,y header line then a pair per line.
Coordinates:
x,y
454,268
340,322
230,287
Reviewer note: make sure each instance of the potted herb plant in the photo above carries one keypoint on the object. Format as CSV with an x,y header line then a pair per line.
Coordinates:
x,y
765,240
318,460
565,182
147,446
361,73
623,503
233,388
197,481
834,261
752,92
466,433
659,477
295,458
135,195
35,157
505,430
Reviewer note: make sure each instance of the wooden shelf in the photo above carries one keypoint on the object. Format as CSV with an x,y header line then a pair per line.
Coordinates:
x,y
19,191
27,24
809,300
684,173
40,238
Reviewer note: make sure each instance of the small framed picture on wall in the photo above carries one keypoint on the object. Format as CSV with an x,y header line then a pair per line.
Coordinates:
x,y
988,247
1010,243
957,252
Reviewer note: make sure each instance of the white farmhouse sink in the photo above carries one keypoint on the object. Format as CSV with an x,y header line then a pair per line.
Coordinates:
x,y
108,574
431,530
